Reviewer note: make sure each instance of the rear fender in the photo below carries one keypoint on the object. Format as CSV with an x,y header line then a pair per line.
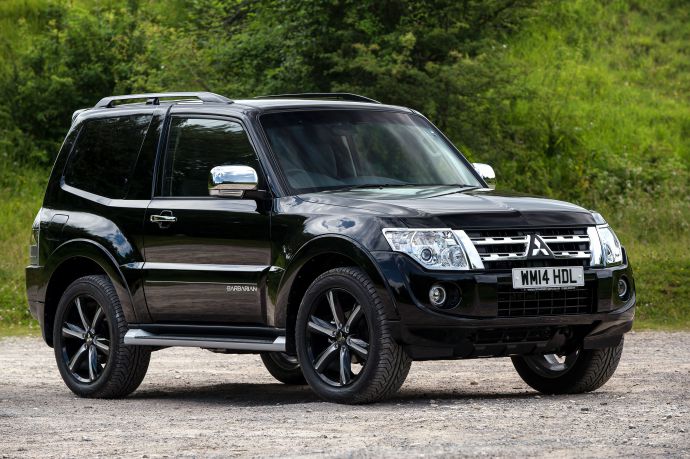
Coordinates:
x,y
98,254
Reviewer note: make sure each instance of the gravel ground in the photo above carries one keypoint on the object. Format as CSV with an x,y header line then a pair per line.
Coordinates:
x,y
197,404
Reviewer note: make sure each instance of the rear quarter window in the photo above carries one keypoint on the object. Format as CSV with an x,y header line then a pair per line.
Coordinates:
x,y
105,154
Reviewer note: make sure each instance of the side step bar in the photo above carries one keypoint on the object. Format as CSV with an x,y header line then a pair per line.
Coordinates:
x,y
138,337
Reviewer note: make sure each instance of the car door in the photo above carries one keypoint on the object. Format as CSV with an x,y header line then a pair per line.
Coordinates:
x,y
206,257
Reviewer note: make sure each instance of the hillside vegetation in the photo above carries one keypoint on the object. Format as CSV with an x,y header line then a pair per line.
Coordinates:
x,y
586,100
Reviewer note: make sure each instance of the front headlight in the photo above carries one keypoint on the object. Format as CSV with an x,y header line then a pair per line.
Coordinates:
x,y
432,248
606,248
612,252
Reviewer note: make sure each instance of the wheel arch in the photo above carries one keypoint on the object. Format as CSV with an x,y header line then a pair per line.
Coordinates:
x,y
317,256
69,262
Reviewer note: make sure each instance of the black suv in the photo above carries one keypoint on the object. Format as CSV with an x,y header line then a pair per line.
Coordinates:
x,y
338,237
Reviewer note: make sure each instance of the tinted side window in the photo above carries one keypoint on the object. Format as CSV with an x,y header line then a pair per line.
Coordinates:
x,y
197,145
141,180
105,154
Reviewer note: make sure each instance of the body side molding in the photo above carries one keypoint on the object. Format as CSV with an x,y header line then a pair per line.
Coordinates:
x,y
138,337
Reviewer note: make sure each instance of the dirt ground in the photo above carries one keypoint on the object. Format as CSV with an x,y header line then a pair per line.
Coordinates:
x,y
197,404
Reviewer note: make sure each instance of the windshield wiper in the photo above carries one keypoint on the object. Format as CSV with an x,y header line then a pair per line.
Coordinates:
x,y
464,188
400,185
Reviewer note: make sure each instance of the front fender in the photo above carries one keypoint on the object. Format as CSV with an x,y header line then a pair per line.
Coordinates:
x,y
333,245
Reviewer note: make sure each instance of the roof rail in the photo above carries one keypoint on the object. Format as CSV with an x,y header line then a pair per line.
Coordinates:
x,y
154,98
77,113
322,95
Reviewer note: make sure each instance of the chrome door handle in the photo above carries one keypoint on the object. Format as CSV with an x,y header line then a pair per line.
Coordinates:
x,y
163,219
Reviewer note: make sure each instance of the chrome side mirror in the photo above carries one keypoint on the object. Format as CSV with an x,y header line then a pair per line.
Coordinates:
x,y
487,173
232,181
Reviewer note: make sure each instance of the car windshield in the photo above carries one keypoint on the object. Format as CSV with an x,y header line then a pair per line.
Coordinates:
x,y
344,149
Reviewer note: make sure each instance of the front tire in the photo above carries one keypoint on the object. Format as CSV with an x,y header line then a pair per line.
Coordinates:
x,y
583,370
88,340
343,341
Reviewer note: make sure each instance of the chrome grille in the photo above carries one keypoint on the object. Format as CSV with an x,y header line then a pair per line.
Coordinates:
x,y
504,249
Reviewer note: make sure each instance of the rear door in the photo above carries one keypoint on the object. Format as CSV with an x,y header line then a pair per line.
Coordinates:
x,y
209,262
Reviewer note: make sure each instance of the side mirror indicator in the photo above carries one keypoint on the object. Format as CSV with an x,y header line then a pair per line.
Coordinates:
x,y
232,181
487,173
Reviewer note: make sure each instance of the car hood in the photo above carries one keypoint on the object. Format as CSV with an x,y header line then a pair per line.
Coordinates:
x,y
455,207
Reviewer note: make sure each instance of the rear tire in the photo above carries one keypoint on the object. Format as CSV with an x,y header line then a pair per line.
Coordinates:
x,y
283,367
584,370
88,340
344,344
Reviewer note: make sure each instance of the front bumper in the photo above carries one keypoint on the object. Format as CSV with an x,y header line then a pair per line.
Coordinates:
x,y
478,328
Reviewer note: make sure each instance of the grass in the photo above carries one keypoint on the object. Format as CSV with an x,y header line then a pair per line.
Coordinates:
x,y
21,193
20,330
656,234
662,272
611,89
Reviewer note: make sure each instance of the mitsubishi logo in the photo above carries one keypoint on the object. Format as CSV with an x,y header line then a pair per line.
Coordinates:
x,y
537,248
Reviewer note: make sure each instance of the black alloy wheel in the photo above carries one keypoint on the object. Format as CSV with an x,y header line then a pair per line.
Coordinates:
x,y
344,344
338,337
88,340
85,340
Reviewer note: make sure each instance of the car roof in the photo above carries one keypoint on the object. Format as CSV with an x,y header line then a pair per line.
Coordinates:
x,y
213,103
266,103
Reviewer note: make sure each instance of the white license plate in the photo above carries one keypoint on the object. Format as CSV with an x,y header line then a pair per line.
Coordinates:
x,y
545,278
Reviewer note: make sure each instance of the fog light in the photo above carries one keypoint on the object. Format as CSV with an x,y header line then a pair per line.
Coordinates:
x,y
437,295
622,288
